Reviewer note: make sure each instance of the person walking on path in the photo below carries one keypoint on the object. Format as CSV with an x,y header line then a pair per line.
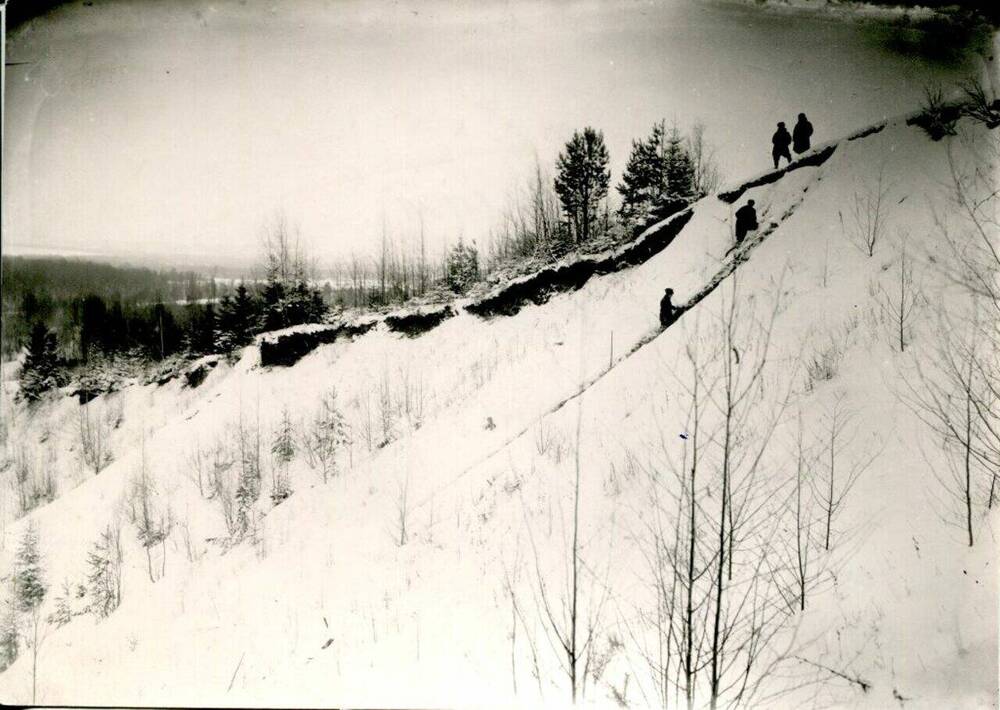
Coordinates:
x,y
746,220
801,134
780,142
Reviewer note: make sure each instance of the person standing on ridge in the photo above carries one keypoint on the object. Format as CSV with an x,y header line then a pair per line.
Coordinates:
x,y
746,220
801,134
780,142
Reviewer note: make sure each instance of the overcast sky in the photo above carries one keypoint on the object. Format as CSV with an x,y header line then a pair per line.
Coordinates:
x,y
180,126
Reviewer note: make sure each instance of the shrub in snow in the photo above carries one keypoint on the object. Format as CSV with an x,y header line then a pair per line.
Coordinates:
x,y
980,106
823,365
937,117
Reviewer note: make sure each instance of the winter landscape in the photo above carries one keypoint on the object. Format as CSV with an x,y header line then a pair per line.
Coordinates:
x,y
500,355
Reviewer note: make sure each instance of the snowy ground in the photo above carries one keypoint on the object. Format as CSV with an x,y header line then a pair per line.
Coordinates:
x,y
325,607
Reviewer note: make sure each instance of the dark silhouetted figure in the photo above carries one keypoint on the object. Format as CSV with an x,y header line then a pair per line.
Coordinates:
x,y
780,142
746,220
801,134
668,311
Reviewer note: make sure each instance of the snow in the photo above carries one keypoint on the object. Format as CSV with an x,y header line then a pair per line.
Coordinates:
x,y
910,609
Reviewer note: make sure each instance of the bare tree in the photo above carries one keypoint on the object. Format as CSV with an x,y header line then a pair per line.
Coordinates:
x,y
403,511
803,518
707,174
93,435
570,628
721,564
958,395
947,398
899,303
836,483
152,526
868,218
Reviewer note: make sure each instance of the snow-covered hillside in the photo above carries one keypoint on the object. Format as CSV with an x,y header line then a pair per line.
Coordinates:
x,y
432,568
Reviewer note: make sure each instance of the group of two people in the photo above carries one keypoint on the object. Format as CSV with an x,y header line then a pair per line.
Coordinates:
x,y
798,140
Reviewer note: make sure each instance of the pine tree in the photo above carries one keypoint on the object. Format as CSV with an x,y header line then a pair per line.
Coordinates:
x,y
40,371
582,180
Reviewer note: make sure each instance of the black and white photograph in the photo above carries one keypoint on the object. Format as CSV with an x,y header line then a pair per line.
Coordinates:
x,y
500,354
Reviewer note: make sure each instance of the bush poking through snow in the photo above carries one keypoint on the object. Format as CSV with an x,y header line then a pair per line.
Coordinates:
x,y
823,364
937,117
979,105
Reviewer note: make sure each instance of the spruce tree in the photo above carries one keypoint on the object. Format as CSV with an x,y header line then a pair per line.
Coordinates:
x,y
643,180
678,171
40,371
29,592
462,267
582,181
29,580
104,575
659,174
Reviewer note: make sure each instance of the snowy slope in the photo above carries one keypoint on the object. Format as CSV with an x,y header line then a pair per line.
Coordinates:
x,y
906,606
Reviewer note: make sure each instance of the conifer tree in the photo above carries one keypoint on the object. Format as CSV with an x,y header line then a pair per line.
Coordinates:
x,y
40,371
678,171
642,179
104,576
462,266
582,181
29,592
10,634
660,173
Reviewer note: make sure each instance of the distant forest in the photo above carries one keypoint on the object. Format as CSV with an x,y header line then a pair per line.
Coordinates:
x,y
90,305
